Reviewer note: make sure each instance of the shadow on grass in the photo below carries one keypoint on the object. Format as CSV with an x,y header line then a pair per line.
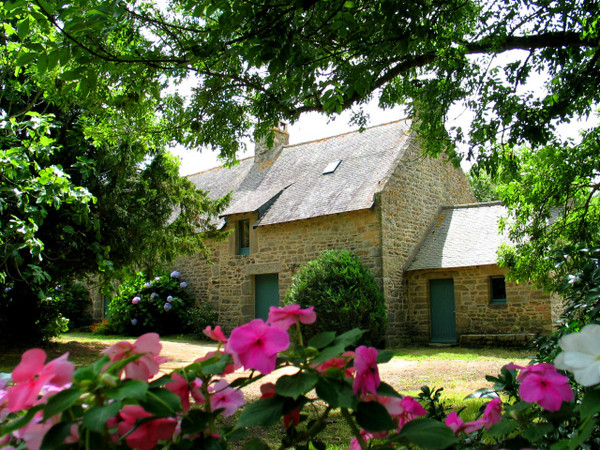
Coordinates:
x,y
80,353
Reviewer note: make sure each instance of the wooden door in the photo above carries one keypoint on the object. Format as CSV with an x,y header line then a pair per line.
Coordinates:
x,y
443,318
266,294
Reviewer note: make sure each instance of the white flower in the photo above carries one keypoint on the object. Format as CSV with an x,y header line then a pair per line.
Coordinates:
x,y
581,355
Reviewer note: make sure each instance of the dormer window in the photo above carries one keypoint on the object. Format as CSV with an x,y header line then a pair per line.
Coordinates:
x,y
331,167
243,237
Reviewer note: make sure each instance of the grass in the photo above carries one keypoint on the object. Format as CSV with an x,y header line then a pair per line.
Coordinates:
x,y
463,354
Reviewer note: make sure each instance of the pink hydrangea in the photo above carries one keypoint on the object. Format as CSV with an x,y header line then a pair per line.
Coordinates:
x,y
216,334
146,366
366,378
31,375
290,314
225,397
257,344
541,383
145,435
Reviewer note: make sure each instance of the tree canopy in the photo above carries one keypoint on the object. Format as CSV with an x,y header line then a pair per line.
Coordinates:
x,y
248,64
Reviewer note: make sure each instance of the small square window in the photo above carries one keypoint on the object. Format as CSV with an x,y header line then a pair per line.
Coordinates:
x,y
243,237
497,289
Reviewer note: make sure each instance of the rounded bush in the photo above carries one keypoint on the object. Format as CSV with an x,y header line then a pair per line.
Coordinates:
x,y
345,296
158,304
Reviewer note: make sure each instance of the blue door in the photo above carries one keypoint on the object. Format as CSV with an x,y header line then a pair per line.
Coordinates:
x,y
443,318
266,294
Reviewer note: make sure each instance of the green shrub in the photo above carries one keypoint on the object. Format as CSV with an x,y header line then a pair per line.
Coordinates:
x,y
345,296
74,303
158,305
200,317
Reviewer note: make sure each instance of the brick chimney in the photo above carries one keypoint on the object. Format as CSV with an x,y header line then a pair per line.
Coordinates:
x,y
281,138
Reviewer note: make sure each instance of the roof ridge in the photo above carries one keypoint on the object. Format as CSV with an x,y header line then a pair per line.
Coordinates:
x,y
348,132
473,205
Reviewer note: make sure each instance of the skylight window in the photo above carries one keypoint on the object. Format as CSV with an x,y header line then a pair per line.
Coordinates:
x,y
332,166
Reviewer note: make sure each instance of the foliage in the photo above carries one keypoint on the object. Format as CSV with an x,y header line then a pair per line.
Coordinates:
x,y
74,204
344,293
552,197
199,317
484,189
159,304
253,63
74,303
43,403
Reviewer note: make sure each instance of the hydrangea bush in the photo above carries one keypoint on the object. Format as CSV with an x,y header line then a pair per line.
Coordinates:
x,y
123,399
143,305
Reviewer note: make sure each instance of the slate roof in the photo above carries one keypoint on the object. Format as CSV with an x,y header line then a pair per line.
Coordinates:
x,y
294,187
464,235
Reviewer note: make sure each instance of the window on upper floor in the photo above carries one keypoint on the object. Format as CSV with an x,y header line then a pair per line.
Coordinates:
x,y
243,237
497,289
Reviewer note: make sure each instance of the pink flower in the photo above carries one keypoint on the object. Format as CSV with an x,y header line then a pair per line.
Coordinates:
x,y
146,366
457,425
147,434
225,397
31,375
541,383
492,413
257,344
216,334
229,368
33,433
367,436
290,314
179,386
196,392
367,373
135,300
338,362
402,409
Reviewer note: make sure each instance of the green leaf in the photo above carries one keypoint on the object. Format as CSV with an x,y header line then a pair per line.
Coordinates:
x,y
133,389
25,58
387,390
372,416
162,402
384,356
256,444
56,435
504,427
95,417
428,433
590,404
23,28
350,337
264,413
295,385
195,421
329,352
337,393
61,401
70,75
537,431
322,340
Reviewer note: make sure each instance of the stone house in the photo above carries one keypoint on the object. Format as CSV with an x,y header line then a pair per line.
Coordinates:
x,y
373,193
456,291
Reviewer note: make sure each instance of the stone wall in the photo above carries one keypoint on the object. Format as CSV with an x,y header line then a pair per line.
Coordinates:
x,y
527,310
281,249
410,201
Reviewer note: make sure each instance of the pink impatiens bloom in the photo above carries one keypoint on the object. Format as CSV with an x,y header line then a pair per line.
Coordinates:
x,y
288,315
457,425
541,383
402,410
225,397
216,334
257,344
31,375
367,372
147,434
147,365
338,362
179,386
492,413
